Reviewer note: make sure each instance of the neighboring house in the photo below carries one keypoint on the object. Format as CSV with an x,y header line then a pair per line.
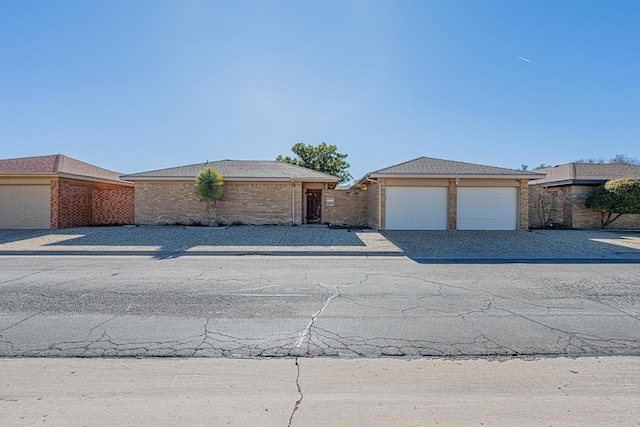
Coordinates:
x,y
255,192
57,191
435,194
573,182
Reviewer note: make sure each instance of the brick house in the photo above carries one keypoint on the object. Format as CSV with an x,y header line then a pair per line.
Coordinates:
x,y
435,194
255,192
57,191
573,182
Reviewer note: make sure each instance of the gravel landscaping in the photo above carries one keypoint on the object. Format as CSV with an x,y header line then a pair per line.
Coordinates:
x,y
241,239
315,240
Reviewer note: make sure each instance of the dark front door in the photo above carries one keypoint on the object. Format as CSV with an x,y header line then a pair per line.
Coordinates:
x,y
314,206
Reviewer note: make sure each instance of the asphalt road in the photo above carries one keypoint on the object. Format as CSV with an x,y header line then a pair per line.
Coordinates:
x,y
267,306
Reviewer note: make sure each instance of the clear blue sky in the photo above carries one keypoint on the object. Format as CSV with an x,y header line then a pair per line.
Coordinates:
x,y
139,85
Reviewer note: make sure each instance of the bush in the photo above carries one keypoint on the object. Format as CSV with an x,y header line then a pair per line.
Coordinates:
x,y
614,199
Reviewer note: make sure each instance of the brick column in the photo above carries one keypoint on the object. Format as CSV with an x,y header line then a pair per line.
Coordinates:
x,y
55,204
523,194
453,204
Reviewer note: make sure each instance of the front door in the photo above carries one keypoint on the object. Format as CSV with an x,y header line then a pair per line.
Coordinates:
x,y
314,206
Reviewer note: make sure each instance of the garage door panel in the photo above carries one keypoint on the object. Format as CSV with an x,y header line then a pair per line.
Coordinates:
x,y
25,206
487,208
416,208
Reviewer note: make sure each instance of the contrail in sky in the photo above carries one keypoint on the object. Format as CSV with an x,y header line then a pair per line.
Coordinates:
x,y
524,59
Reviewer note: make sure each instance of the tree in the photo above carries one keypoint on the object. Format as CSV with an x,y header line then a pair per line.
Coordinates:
x,y
545,203
322,158
618,159
614,199
209,187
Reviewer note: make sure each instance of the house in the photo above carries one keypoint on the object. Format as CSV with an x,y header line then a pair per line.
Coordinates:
x,y
255,192
572,183
57,191
435,194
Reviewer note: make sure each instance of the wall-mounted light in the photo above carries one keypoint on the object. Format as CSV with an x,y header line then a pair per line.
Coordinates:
x,y
457,181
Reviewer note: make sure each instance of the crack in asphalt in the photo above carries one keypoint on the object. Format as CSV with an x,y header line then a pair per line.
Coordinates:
x,y
323,342
307,331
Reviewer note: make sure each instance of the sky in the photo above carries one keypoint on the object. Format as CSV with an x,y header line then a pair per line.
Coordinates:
x,y
139,85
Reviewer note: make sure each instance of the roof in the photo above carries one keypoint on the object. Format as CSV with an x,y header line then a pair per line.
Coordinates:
x,y
586,173
258,170
56,164
427,167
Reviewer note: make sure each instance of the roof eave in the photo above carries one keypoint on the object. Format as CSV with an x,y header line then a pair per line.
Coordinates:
x,y
475,176
230,179
95,179
64,175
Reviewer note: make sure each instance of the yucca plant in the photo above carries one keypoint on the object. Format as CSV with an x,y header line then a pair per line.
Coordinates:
x,y
210,187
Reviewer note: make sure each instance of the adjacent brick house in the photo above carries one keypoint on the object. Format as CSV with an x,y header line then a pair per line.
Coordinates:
x,y
573,182
57,191
436,194
255,192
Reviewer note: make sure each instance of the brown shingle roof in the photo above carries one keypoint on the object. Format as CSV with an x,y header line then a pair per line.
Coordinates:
x,y
55,164
238,169
440,167
587,173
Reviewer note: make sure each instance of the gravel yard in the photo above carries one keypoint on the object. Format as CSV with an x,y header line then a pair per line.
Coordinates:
x,y
243,239
316,240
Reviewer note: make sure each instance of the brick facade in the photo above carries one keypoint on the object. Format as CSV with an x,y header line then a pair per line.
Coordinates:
x,y
251,203
523,208
350,207
76,203
372,205
176,202
572,213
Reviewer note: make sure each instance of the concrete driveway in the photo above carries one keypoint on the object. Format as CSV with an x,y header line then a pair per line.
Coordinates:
x,y
518,246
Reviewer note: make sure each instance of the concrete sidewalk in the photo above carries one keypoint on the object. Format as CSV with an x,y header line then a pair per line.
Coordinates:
x,y
320,392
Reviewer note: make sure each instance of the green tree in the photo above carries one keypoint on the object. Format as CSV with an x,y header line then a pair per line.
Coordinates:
x,y
322,158
614,199
210,187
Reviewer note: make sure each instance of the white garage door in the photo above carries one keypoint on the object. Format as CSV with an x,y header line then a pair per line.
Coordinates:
x,y
416,208
486,208
25,206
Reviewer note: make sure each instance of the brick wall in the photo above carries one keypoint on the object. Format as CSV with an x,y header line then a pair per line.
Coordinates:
x,y
572,213
112,205
589,218
557,217
350,207
372,205
81,203
523,196
242,203
74,204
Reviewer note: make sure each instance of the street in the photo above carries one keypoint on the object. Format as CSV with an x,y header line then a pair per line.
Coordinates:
x,y
297,306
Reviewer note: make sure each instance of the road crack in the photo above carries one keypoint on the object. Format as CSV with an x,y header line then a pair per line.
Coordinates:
x,y
307,331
